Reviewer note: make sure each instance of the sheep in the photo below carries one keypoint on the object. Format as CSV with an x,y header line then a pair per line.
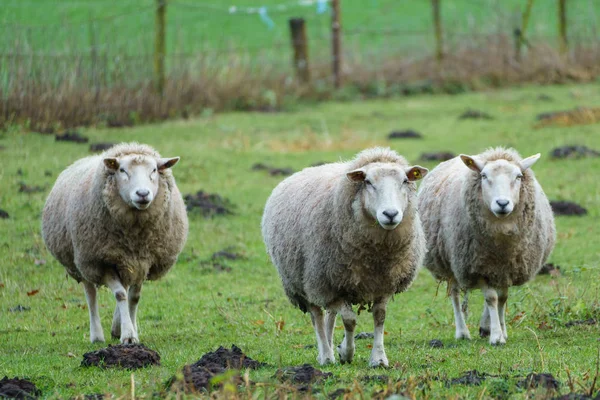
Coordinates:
x,y
344,234
116,219
489,226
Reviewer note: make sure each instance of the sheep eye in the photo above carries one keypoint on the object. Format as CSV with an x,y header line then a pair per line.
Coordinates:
x,y
483,176
368,182
154,170
121,170
405,180
519,177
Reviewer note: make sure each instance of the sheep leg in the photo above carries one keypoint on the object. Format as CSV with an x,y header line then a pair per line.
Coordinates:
x,y
491,300
484,323
115,330
325,351
502,297
128,333
346,348
134,299
462,332
378,356
330,317
96,333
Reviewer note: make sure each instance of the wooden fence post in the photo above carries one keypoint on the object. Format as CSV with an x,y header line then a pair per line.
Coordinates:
x,y
520,33
437,23
300,46
159,46
562,25
336,43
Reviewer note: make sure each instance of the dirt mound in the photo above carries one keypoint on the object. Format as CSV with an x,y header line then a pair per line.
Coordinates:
x,y
407,134
129,356
550,269
3,214
301,374
436,344
533,381
567,208
589,321
577,116
94,147
71,136
473,378
24,188
273,171
475,114
573,152
218,260
18,388
208,204
441,156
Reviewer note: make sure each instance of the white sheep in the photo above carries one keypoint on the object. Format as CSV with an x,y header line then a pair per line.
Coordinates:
x,y
489,226
343,234
116,219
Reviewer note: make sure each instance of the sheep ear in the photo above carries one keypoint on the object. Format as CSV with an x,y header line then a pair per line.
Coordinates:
x,y
529,161
415,173
358,175
111,163
165,163
473,162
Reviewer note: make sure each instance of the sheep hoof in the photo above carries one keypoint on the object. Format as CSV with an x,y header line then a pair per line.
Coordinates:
x,y
99,339
130,340
383,363
115,335
484,332
497,340
463,335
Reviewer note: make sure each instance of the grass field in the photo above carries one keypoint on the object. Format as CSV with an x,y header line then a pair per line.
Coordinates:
x,y
195,308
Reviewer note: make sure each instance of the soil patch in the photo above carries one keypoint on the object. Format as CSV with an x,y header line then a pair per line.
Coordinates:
x,y
475,114
337,393
19,308
589,321
71,136
567,208
441,156
3,214
94,147
473,378
573,152
407,134
364,335
273,171
129,356
577,116
302,374
550,269
436,344
226,254
18,388
533,381
24,188
217,261
208,204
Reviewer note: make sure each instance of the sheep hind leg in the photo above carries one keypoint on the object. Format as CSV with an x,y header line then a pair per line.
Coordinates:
x,y
502,297
484,323
330,317
378,357
346,348
462,332
96,333
326,355
128,333
491,299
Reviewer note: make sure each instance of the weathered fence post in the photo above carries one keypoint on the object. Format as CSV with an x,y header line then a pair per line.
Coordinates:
x,y
437,23
159,46
336,43
520,33
562,25
300,46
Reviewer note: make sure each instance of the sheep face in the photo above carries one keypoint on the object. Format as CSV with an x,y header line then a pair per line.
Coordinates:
x,y
137,177
386,191
500,182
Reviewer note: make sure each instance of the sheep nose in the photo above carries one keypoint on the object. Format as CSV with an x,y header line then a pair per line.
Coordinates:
x,y
502,203
390,214
142,192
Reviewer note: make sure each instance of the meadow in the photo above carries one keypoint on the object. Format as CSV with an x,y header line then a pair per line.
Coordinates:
x,y
196,308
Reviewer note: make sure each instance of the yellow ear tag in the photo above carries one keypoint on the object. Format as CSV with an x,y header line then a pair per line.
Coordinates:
x,y
470,162
416,174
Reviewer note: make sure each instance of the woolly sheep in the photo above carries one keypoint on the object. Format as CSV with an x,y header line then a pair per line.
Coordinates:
x,y
116,219
489,226
343,234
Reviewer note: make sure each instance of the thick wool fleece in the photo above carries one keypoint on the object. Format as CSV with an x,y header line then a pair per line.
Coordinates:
x,y
467,243
327,248
90,229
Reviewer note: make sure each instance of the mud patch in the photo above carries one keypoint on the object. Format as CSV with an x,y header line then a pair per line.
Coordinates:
x,y
273,171
218,260
441,156
337,393
567,208
18,388
589,321
208,204
19,308
95,147
198,376
304,374
472,378
550,269
3,214
24,188
364,335
71,136
573,152
577,116
436,344
533,381
128,356
475,114
407,134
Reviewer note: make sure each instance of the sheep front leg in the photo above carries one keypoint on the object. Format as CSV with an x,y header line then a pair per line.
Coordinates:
x,y
96,333
115,330
502,297
378,356
462,332
346,348
491,300
128,333
325,350
330,317
134,299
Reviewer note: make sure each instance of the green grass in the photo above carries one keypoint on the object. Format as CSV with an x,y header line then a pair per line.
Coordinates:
x,y
195,309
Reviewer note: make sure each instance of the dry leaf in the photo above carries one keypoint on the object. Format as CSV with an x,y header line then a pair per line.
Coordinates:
x,y
482,351
280,324
33,292
369,346
259,322
544,326
1,284
519,316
